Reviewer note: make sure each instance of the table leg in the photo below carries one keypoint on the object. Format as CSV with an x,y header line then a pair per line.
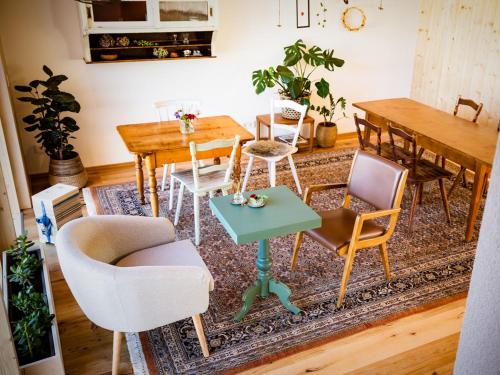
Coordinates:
x,y
153,195
139,177
265,285
237,168
480,178
311,136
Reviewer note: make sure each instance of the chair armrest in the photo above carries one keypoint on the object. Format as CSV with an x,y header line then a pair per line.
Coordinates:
x,y
320,187
376,214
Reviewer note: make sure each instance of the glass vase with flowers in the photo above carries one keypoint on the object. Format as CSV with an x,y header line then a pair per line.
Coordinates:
x,y
186,121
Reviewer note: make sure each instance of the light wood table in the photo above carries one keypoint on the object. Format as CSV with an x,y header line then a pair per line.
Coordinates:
x,y
464,142
160,143
278,119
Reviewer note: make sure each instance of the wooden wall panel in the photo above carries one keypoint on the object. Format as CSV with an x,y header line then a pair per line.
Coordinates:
x,y
458,53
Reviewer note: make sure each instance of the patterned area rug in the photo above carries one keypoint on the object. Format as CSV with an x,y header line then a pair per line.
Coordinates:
x,y
429,267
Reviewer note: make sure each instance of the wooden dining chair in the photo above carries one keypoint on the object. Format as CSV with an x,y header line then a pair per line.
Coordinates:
x,y
203,180
284,150
421,171
166,112
374,180
477,108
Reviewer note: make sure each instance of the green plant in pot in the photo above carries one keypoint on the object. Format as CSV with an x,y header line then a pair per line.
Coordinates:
x,y
53,128
293,76
326,131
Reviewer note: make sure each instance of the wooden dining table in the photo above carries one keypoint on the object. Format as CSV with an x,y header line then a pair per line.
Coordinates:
x,y
466,143
159,143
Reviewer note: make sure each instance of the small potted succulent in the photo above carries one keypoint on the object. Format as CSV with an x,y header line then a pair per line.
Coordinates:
x,y
293,76
186,121
54,129
326,131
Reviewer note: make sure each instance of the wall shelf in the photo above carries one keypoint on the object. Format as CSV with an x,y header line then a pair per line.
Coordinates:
x,y
154,59
200,41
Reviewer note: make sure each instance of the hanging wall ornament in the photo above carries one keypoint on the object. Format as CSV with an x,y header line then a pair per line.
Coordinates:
x,y
322,14
380,6
349,22
279,13
303,18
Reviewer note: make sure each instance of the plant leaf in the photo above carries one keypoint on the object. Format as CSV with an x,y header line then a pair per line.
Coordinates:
x,y
21,88
323,88
47,71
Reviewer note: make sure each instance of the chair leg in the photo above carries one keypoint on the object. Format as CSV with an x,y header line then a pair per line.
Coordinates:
x,y
196,200
349,260
436,160
198,326
179,204
247,173
421,195
459,176
413,207
272,173
420,153
445,200
117,345
443,162
296,247
385,259
164,177
172,186
294,174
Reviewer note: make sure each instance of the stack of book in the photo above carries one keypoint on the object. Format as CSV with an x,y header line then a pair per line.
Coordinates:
x,y
54,207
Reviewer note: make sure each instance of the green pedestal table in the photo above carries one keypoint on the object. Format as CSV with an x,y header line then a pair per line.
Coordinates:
x,y
283,214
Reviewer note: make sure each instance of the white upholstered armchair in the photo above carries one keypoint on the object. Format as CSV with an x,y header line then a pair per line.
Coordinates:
x,y
128,274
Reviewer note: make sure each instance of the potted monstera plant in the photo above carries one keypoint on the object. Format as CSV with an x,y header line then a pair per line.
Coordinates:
x,y
326,131
53,127
293,76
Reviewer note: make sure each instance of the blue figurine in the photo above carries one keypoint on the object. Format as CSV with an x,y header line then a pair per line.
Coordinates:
x,y
45,223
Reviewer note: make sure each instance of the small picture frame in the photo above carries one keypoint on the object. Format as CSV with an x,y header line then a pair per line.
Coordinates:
x,y
303,16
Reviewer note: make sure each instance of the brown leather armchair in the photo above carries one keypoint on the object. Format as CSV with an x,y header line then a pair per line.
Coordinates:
x,y
375,180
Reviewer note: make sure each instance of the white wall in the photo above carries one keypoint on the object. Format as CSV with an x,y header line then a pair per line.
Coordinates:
x,y
379,64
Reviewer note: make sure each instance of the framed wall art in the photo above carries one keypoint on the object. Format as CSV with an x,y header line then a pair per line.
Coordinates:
x,y
303,17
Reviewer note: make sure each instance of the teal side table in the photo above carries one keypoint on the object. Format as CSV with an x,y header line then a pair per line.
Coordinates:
x,y
283,214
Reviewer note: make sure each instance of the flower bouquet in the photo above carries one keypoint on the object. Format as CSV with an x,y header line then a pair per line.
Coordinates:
x,y
186,121
257,200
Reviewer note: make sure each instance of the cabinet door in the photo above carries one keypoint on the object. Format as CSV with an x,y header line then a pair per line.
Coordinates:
x,y
120,14
186,13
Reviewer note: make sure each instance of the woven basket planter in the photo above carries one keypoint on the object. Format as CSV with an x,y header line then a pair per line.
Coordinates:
x,y
69,172
289,113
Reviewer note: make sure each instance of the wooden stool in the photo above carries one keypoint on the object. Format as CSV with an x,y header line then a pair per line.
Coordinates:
x,y
266,121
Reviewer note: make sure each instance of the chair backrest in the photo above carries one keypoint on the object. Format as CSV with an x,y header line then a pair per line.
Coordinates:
x,y
410,159
279,104
230,144
167,108
469,103
376,180
364,141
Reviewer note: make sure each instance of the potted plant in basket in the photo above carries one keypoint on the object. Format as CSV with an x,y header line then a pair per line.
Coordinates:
x,y
326,132
293,76
54,129
30,308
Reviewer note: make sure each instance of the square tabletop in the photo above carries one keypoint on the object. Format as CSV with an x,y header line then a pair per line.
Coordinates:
x,y
283,214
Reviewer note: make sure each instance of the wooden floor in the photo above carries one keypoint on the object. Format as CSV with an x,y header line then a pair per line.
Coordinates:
x,y
423,343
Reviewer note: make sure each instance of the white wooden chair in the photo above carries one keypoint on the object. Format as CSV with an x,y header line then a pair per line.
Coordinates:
x,y
166,112
286,151
205,179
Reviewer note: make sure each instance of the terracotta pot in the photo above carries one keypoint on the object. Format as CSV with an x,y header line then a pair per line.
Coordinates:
x,y
70,172
326,134
289,113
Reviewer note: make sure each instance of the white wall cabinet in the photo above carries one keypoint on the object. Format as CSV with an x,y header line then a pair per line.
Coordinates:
x,y
148,15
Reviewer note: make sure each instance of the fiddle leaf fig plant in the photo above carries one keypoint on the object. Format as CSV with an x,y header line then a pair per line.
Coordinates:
x,y
54,129
293,76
